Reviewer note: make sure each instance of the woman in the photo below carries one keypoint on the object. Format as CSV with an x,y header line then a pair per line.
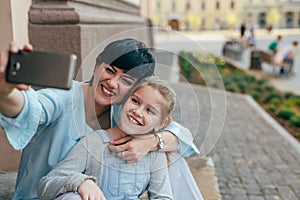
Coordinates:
x,y
47,123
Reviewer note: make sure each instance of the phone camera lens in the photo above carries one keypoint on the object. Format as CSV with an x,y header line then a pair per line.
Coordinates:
x,y
17,66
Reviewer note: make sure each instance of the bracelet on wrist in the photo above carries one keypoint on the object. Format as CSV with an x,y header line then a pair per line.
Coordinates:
x,y
161,142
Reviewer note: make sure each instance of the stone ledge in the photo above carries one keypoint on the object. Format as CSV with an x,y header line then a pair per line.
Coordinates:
x,y
204,174
80,12
7,184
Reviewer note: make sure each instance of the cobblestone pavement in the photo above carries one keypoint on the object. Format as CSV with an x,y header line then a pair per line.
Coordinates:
x,y
253,159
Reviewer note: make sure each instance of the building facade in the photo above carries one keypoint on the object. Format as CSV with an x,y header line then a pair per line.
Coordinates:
x,y
221,14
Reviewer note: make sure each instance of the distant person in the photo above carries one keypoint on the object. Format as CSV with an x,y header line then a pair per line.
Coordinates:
x,y
273,47
243,29
269,28
285,57
251,37
248,39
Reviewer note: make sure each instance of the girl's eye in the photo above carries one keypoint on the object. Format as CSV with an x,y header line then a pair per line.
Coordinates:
x,y
151,111
135,101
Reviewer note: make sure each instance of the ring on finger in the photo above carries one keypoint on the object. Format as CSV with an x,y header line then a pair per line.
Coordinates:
x,y
123,154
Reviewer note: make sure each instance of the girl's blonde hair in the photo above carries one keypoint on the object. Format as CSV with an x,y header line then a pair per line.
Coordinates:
x,y
165,90
169,95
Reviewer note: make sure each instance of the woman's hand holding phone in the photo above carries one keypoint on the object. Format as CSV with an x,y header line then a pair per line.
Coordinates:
x,y
6,88
11,98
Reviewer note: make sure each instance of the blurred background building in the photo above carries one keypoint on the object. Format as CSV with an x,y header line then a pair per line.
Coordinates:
x,y
221,14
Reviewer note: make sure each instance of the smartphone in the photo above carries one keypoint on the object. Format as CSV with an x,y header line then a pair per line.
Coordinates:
x,y
42,69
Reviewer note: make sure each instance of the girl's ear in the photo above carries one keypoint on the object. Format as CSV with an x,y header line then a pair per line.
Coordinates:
x,y
162,124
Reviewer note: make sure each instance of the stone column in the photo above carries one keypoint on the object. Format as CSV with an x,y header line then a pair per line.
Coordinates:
x,y
13,23
78,26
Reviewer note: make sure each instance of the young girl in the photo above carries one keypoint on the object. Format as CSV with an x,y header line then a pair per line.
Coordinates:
x,y
90,165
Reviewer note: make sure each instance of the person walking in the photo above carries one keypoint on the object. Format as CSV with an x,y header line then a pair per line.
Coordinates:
x,y
273,47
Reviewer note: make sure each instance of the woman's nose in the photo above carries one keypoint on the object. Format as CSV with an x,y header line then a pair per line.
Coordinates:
x,y
113,82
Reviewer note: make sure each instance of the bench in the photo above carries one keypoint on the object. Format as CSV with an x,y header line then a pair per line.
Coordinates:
x,y
262,56
232,49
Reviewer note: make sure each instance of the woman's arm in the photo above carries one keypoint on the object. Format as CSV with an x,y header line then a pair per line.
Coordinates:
x,y
23,109
137,147
40,108
175,138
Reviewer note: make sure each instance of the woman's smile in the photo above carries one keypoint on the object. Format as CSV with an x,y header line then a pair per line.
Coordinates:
x,y
107,91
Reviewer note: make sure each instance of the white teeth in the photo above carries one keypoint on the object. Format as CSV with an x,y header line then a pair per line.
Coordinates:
x,y
133,120
107,91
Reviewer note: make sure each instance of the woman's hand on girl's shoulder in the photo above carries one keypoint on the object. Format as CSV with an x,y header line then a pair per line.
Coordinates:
x,y
133,149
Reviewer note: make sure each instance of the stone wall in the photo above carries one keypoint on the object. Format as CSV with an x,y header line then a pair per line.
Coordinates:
x,y
78,27
8,156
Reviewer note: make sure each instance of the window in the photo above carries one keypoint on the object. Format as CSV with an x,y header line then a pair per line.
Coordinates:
x,y
203,22
158,6
188,6
262,20
217,5
232,5
203,5
299,21
289,19
173,6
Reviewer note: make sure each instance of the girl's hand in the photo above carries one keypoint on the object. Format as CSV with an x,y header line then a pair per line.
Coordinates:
x,y
133,149
89,190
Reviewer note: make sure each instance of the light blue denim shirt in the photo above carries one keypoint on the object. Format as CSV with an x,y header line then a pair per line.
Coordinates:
x,y
90,158
49,125
128,181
